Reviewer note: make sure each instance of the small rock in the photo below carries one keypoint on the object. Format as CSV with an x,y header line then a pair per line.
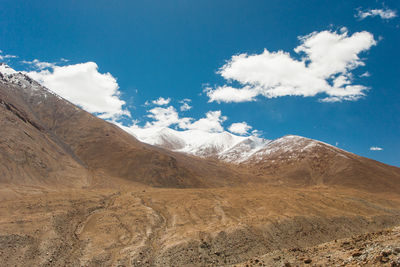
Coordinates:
x,y
383,259
307,261
357,254
277,258
386,253
287,264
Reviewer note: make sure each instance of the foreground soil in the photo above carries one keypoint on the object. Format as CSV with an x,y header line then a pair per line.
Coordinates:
x,y
372,249
144,226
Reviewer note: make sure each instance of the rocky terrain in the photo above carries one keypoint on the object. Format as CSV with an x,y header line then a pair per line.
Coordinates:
x,y
144,226
78,191
372,249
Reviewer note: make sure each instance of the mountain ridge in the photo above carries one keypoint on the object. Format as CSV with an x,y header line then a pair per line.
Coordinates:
x,y
97,149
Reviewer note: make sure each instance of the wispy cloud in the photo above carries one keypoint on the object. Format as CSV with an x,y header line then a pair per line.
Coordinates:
x,y
40,65
365,74
375,148
382,13
3,56
185,104
328,59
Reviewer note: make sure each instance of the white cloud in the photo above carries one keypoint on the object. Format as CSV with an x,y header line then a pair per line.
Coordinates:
x,y
365,74
382,13
241,128
161,101
166,117
185,104
40,65
83,85
325,67
169,117
211,123
375,148
2,57
229,94
185,107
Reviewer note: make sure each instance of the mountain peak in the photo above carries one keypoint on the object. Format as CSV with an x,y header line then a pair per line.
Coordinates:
x,y
6,70
228,147
221,145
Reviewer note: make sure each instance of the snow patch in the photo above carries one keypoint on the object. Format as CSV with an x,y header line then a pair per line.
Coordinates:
x,y
7,70
220,145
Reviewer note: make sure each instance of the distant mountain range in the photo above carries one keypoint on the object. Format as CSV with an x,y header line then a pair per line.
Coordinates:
x,y
41,130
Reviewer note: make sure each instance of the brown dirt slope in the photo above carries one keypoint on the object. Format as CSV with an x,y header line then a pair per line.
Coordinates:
x,y
29,154
303,162
44,129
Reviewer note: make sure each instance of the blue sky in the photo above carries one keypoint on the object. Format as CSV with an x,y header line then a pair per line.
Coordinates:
x,y
174,49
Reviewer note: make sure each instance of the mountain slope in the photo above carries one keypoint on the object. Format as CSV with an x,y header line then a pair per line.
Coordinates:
x,y
29,154
93,145
304,161
293,160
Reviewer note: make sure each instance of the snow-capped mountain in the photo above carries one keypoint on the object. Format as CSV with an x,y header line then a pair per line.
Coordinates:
x,y
228,147
30,87
9,75
291,146
6,70
220,145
